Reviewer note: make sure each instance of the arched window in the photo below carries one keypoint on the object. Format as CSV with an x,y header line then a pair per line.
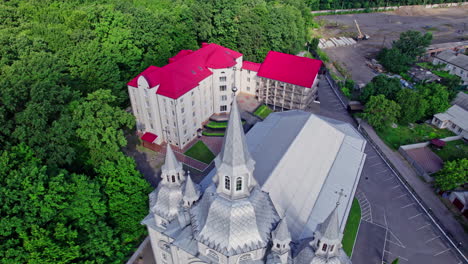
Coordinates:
x,y
278,245
332,247
318,242
173,178
167,177
227,183
324,247
178,176
238,184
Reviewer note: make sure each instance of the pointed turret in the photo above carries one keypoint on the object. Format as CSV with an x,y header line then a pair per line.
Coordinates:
x,y
330,228
234,163
328,237
191,192
281,238
172,172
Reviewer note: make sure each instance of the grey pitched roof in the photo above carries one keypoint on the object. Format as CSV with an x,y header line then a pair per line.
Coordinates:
x,y
234,153
456,115
171,163
461,100
455,58
307,255
330,228
281,232
233,226
192,190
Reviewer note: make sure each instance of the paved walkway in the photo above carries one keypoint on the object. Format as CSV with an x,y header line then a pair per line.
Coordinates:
x,y
423,190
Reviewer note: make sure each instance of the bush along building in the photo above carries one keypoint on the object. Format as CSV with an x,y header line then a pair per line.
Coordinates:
x,y
236,215
171,103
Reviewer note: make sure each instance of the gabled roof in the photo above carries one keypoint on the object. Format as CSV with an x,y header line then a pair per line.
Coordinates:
x,y
290,68
455,58
456,115
251,66
187,69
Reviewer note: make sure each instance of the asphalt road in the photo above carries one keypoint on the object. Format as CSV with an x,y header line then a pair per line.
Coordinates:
x,y
391,219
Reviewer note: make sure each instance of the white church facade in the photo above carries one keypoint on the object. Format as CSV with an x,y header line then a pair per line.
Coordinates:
x,y
171,103
289,206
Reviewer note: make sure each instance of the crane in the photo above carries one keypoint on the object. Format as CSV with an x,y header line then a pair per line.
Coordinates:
x,y
360,36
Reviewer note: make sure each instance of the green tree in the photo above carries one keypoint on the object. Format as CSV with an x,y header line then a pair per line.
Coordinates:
x,y
413,106
126,191
381,84
412,43
100,126
453,174
380,112
437,97
394,60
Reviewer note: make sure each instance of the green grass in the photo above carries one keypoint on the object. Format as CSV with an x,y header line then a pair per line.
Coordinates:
x,y
403,135
200,152
442,74
323,55
213,134
218,125
351,229
263,111
452,150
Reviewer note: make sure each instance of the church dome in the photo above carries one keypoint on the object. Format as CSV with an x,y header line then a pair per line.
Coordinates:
x,y
234,227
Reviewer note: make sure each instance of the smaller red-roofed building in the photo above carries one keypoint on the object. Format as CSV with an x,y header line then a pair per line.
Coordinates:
x,y
172,102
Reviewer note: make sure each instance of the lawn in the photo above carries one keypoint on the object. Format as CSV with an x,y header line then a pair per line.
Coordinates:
x,y
263,111
404,135
200,152
218,125
351,229
452,150
213,134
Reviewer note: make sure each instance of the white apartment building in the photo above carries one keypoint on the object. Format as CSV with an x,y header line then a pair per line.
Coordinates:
x,y
171,103
455,62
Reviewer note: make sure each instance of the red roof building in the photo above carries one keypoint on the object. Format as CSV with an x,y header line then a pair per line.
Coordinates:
x,y
291,69
171,103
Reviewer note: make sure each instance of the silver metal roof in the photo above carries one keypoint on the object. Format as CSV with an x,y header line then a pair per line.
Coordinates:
x,y
330,228
281,232
165,201
234,158
191,190
456,115
461,100
171,164
302,160
307,255
233,227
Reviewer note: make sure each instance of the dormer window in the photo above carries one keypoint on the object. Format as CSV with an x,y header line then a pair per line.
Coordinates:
x,y
238,184
324,247
227,183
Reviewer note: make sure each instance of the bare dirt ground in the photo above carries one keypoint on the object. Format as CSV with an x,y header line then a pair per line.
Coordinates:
x,y
445,24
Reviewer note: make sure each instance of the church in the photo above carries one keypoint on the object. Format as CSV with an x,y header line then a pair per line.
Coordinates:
x,y
281,194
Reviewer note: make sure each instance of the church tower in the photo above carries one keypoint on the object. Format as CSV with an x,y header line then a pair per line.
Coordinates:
x,y
166,199
234,164
281,250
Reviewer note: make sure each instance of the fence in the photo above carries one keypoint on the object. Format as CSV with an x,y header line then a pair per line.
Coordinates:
x,y
384,8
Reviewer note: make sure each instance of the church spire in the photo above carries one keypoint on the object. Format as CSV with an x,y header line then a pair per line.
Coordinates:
x,y
191,192
172,172
330,228
281,237
328,237
234,164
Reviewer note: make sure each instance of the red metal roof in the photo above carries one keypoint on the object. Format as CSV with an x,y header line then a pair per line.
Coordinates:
x,y
149,137
437,142
188,69
290,69
251,66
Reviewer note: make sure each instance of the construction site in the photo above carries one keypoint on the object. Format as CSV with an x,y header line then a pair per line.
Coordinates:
x,y
353,40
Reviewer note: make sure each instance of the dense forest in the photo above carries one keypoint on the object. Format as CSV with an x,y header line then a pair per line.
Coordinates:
x,y
68,192
345,4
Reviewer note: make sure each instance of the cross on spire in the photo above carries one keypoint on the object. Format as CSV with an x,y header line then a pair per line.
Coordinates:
x,y
340,194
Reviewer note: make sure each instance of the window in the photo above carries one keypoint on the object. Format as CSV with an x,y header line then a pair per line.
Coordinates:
x,y
167,177
248,71
324,247
459,130
223,108
223,97
149,115
193,113
173,178
151,125
183,121
332,247
222,88
238,184
453,125
193,102
248,79
182,110
278,245
185,131
222,79
248,88
227,183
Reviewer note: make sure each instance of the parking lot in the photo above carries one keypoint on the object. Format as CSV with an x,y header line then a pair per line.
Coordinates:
x,y
392,225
